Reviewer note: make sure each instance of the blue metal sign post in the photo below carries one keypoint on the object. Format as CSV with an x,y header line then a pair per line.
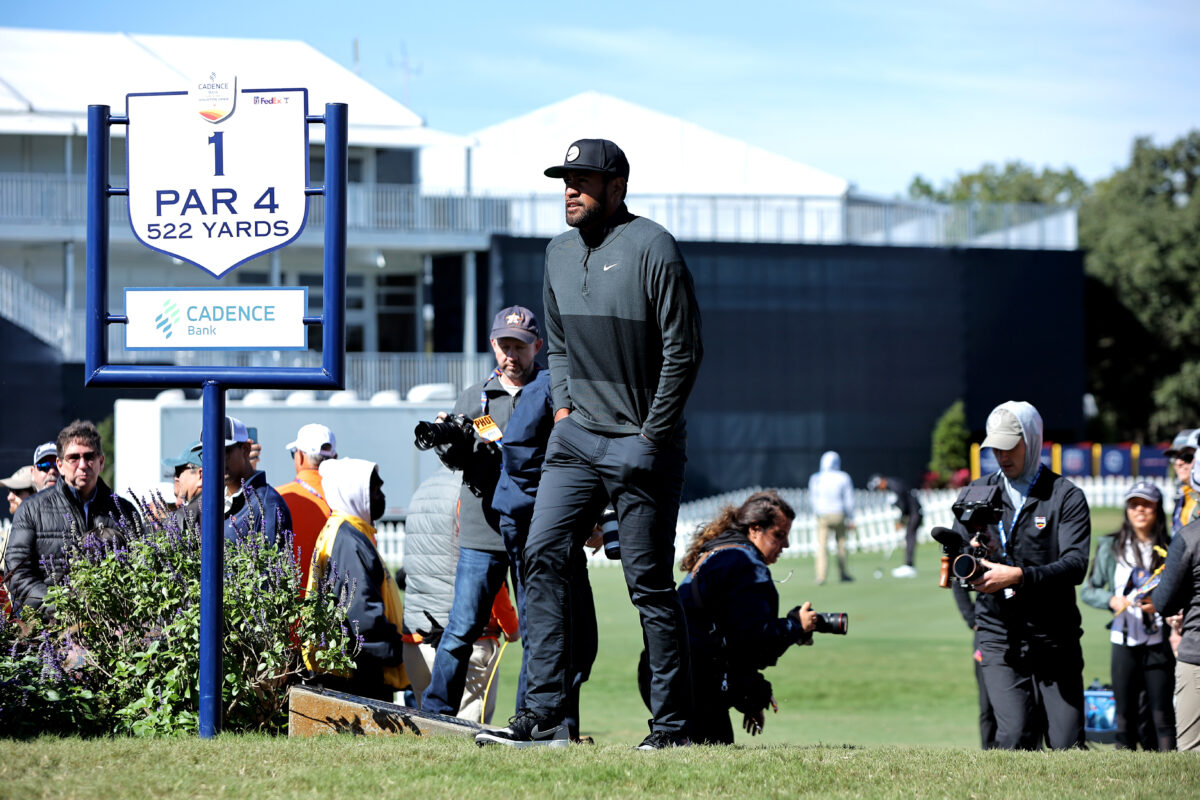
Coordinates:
x,y
213,381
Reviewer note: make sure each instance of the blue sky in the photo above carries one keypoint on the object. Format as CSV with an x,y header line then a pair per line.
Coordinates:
x,y
874,92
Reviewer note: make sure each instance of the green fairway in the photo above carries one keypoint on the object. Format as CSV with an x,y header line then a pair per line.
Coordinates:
x,y
903,675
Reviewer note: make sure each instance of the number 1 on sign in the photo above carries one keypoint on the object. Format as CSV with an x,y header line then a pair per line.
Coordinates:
x,y
217,140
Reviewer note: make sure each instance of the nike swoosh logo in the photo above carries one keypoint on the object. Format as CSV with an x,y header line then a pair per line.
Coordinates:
x,y
607,267
538,733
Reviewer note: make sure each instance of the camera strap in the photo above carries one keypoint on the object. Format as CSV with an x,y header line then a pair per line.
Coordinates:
x,y
483,398
485,426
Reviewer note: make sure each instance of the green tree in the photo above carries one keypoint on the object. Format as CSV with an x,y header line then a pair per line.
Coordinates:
x,y
1015,182
1141,230
951,441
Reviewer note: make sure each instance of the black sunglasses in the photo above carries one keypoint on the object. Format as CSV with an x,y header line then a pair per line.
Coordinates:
x,y
1184,457
46,466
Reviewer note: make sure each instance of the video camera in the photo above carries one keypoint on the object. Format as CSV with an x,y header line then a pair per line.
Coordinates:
x,y
457,429
977,508
458,433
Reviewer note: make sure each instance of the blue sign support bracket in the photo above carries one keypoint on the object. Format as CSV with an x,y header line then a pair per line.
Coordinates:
x,y
213,381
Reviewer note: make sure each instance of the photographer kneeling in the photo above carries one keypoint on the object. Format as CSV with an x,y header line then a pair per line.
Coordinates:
x,y
732,612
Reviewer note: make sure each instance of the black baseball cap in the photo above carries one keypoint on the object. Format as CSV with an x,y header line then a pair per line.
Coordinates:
x,y
592,155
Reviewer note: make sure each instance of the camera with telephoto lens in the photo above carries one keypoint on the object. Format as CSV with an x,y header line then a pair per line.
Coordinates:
x,y
457,429
833,622
608,532
977,508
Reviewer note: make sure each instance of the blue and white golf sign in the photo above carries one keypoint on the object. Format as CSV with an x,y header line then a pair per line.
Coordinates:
x,y
217,174
216,319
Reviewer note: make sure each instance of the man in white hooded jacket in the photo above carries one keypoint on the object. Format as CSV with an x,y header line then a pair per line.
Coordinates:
x,y
1027,619
831,495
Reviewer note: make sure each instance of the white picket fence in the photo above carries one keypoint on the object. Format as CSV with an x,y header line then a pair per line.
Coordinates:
x,y
875,518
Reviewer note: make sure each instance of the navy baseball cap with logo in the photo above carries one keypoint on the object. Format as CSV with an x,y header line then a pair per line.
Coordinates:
x,y
1144,490
592,155
516,322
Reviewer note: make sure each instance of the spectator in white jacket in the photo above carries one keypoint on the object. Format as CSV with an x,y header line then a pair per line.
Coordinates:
x,y
831,494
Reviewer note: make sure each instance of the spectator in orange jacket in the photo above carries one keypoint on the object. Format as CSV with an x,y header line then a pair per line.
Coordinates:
x,y
304,496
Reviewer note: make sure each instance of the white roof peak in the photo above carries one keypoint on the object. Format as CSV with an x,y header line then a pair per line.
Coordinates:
x,y
667,155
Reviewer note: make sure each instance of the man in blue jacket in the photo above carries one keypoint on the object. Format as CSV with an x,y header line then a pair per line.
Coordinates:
x,y
252,506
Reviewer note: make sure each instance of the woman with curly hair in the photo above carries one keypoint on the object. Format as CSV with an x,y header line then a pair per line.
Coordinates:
x,y
732,611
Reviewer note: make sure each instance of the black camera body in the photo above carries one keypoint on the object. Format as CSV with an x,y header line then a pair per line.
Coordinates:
x,y
457,429
977,508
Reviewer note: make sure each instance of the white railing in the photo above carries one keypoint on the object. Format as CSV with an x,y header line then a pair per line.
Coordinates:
x,y
30,308
48,198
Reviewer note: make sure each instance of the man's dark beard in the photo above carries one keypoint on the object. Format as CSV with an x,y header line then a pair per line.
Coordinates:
x,y
591,217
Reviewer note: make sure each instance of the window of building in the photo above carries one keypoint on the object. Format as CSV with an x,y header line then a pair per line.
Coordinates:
x,y
397,313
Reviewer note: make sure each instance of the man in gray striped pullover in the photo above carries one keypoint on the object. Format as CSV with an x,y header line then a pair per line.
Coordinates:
x,y
623,343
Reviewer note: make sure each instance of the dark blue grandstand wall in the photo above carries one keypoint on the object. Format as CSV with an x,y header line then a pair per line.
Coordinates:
x,y
39,395
858,349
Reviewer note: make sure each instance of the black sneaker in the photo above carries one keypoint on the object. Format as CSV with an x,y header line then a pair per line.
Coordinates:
x,y
661,740
526,729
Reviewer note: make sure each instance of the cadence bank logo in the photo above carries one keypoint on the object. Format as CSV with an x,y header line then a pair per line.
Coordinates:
x,y
168,318
216,96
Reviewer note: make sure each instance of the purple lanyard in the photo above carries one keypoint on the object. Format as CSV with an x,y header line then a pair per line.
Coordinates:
x,y
310,489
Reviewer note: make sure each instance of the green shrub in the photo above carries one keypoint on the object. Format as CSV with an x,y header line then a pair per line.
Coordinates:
x,y
951,441
119,640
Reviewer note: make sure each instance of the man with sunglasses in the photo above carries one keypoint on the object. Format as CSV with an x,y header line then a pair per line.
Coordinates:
x,y
1180,455
45,465
78,502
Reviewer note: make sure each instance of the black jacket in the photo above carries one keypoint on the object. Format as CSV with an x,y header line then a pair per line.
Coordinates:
x,y
40,529
362,574
1051,544
734,627
1179,589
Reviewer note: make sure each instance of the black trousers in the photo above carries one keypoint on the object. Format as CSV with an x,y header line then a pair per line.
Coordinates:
x,y
987,719
643,481
1035,692
1151,668
912,523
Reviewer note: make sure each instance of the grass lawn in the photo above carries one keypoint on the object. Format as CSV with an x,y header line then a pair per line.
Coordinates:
x,y
888,711
402,767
